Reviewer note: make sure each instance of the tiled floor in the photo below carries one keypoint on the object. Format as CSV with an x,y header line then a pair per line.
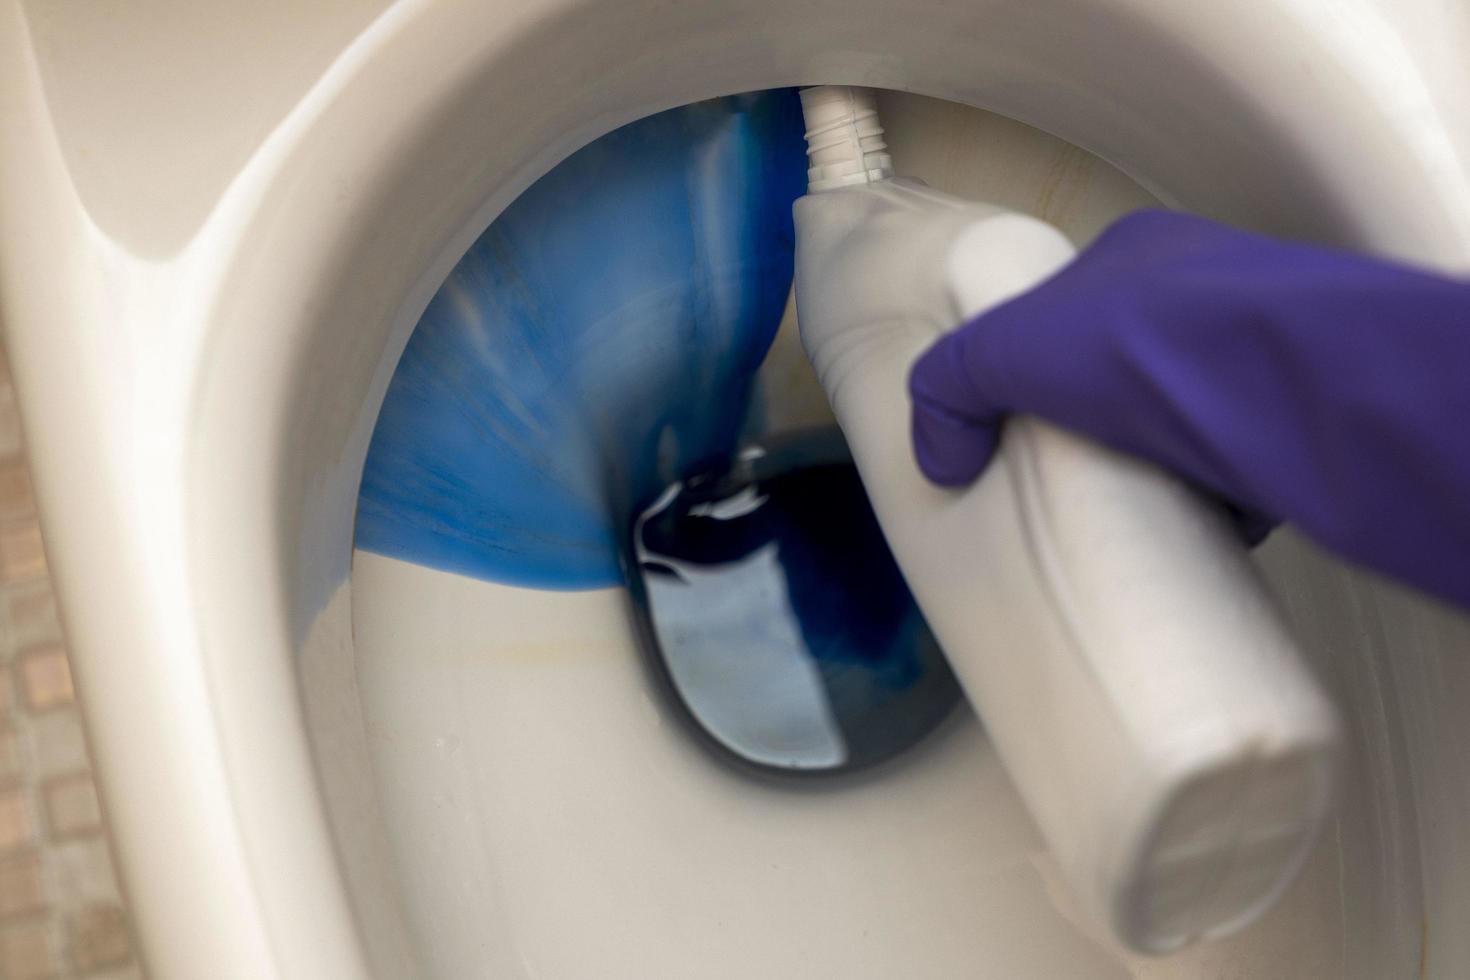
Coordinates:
x,y
61,914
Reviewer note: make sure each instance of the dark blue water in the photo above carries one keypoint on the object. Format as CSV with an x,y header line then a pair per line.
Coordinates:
x,y
778,616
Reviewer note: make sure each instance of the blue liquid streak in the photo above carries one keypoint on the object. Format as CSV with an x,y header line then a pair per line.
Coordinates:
x,y
597,341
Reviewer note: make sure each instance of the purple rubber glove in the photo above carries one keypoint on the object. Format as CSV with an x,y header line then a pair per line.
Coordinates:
x,y
1295,383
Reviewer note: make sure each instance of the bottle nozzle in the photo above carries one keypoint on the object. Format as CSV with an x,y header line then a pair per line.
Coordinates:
x,y
844,140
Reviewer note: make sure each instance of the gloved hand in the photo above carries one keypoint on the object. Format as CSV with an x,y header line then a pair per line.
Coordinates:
x,y
1295,383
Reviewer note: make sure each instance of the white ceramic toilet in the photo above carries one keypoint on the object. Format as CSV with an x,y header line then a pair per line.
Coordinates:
x,y
219,224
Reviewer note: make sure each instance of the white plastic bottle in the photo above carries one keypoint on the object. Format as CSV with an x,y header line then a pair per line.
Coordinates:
x,y
1106,624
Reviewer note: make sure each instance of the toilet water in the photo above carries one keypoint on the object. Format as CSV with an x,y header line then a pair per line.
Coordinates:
x,y
778,617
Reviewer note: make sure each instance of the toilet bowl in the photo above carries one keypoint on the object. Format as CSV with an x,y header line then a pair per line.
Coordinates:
x,y
220,228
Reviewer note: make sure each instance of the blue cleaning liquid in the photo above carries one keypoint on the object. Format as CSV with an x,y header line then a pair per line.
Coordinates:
x,y
597,341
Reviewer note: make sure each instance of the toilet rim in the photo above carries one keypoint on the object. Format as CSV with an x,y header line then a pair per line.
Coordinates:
x,y
332,240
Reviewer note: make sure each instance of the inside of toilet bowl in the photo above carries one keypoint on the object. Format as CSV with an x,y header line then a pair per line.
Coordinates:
x,y
582,406
594,362
618,336
532,780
